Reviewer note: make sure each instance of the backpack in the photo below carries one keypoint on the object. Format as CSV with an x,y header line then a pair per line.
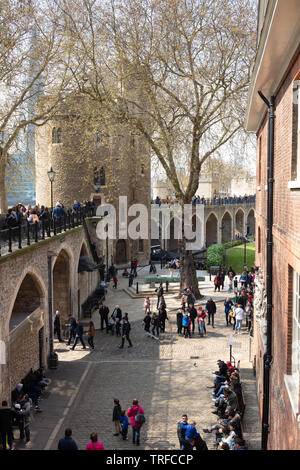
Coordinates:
x,y
139,417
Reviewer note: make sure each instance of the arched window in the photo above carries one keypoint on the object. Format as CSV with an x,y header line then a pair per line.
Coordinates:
x,y
54,135
59,135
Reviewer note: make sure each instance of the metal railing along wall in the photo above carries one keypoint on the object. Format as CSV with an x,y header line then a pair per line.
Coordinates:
x,y
20,235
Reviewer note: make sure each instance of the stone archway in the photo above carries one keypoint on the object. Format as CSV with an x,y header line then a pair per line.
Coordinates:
x,y
26,329
239,222
211,230
226,226
251,222
61,287
121,252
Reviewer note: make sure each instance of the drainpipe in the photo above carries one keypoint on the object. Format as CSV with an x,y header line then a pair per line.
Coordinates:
x,y
269,274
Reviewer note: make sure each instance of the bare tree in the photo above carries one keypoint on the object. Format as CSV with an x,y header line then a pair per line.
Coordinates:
x,y
176,71
31,48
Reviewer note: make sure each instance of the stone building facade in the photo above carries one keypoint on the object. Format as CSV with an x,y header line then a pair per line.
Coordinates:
x,y
95,158
277,73
25,300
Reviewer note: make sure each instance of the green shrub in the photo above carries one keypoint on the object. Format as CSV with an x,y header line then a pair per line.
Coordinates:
x,y
215,255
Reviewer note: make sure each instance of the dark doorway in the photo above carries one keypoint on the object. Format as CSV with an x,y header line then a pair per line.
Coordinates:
x,y
121,255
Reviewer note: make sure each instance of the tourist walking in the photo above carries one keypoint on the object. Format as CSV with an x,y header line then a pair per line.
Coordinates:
x,y
78,335
125,333
147,322
147,305
116,417
22,409
91,334
71,327
155,324
94,444
136,413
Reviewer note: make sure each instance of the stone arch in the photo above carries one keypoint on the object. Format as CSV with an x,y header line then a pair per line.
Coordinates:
x,y
240,222
211,225
26,338
29,296
226,227
61,274
121,252
251,222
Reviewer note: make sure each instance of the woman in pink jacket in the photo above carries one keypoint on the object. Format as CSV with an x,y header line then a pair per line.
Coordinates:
x,y
136,427
94,444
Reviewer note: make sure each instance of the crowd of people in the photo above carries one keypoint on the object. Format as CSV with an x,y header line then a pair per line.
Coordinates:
x,y
24,397
19,214
216,200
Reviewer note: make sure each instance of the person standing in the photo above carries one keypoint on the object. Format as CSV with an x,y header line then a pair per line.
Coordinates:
x,y
181,428
193,315
124,425
57,325
116,416
67,442
228,304
186,322
211,310
131,278
125,333
115,279
155,324
78,335
147,322
22,408
6,417
72,328
201,321
103,312
239,317
160,293
135,412
179,322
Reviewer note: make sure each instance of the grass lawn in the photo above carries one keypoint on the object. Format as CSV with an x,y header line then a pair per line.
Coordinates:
x,y
235,257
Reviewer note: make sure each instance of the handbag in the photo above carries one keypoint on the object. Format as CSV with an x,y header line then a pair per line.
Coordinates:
x,y
231,314
139,417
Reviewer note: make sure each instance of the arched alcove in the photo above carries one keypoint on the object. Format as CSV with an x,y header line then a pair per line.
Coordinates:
x,y
211,230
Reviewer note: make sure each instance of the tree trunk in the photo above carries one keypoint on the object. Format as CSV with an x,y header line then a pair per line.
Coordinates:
x,y
3,197
188,272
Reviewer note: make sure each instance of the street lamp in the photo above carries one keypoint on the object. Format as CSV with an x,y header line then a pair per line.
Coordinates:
x,y
51,175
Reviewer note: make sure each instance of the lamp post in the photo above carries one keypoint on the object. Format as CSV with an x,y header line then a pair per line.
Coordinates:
x,y
51,175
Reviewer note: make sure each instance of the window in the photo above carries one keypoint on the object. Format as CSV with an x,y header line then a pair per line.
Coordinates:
x,y
59,135
141,245
259,240
54,135
292,378
295,167
259,161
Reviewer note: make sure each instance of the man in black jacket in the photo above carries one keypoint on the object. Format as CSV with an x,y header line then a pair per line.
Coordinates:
x,y
78,335
103,311
125,332
72,328
6,417
193,315
57,326
211,310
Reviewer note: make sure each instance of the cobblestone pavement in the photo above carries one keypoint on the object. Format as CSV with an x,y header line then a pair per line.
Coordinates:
x,y
169,377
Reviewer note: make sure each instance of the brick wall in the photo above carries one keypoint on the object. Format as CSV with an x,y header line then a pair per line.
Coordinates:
x,y
284,433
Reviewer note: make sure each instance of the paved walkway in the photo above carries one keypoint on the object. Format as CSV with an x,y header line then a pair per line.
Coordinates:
x,y
169,377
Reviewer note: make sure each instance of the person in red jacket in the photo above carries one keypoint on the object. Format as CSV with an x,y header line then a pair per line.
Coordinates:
x,y
133,411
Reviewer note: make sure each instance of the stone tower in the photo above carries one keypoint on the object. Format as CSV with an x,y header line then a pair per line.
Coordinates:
x,y
94,158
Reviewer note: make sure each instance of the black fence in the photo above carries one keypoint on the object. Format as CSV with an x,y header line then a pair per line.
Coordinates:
x,y
26,233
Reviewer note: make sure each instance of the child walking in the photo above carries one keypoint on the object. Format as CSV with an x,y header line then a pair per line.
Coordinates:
x,y
115,279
